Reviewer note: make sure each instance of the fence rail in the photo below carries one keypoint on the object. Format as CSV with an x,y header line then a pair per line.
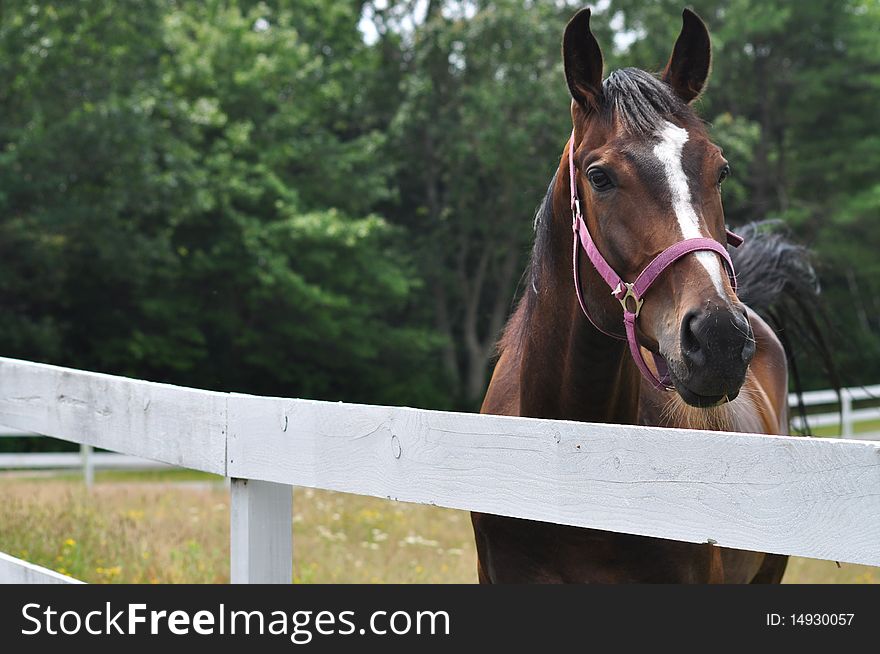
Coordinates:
x,y
87,460
842,414
811,497
16,571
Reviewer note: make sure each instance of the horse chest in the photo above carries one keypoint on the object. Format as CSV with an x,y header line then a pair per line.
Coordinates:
x,y
511,550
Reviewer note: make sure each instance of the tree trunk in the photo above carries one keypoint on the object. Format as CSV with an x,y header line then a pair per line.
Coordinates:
x,y
444,326
763,177
480,350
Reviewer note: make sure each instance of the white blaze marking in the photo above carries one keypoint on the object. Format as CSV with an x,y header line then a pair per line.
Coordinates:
x,y
668,151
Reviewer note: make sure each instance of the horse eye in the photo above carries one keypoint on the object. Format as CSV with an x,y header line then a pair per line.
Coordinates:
x,y
724,174
599,179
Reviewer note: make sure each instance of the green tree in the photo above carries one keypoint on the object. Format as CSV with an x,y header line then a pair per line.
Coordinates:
x,y
249,195
81,194
187,193
477,136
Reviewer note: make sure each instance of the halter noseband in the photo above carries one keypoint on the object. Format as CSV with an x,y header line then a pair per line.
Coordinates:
x,y
631,294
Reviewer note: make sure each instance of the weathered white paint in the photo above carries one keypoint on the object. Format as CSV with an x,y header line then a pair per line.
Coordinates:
x,y
668,151
9,432
57,460
810,497
181,426
16,571
261,545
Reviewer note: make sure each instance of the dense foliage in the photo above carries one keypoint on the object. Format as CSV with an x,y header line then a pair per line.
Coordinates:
x,y
334,199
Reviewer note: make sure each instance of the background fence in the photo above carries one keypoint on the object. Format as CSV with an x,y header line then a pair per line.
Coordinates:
x,y
856,411
87,460
811,497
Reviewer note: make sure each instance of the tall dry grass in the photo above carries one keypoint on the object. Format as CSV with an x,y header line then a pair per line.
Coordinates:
x,y
158,529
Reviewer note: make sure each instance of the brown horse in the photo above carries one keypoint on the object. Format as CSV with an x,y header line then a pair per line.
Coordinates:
x,y
647,176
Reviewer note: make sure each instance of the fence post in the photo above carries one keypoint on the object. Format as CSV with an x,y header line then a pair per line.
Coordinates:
x,y
88,465
846,416
261,539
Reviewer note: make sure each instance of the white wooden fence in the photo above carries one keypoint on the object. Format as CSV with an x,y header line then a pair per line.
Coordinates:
x,y
810,497
841,415
87,460
846,416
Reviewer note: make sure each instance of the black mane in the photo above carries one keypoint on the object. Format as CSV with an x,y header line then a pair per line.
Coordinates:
x,y
640,101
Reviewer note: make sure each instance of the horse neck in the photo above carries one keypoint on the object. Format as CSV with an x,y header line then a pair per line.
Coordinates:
x,y
570,370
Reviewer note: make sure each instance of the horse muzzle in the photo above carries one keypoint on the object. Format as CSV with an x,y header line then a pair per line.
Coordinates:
x,y
716,346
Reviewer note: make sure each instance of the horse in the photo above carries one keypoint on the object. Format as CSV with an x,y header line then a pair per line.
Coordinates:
x,y
637,196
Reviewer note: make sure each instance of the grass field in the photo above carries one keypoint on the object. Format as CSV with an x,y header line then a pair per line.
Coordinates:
x,y
172,527
863,427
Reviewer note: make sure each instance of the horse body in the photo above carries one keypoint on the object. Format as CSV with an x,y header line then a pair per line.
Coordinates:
x,y
557,361
606,387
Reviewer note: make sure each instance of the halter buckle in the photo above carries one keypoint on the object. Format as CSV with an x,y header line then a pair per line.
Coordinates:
x,y
622,297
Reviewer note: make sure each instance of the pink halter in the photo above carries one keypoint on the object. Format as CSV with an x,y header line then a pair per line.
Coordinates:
x,y
631,295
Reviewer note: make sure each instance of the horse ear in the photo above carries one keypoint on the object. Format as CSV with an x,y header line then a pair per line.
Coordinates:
x,y
688,67
583,61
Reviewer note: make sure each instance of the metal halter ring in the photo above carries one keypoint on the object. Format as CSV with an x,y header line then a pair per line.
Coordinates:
x,y
630,293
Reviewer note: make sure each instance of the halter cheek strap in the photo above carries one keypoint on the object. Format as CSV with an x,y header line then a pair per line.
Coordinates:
x,y
631,295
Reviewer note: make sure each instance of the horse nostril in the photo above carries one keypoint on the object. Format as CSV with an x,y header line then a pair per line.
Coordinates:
x,y
716,337
691,348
